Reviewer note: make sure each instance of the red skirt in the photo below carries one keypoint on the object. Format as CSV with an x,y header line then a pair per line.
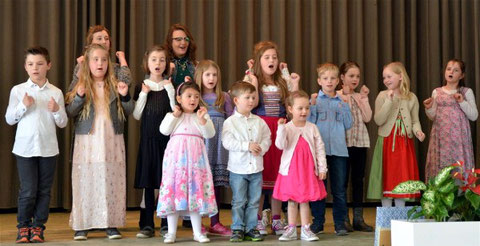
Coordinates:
x,y
301,184
271,159
399,165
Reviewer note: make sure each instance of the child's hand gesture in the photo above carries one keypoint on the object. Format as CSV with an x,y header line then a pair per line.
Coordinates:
x,y
81,90
201,115
172,67
428,103
177,111
390,94
250,63
420,135
188,79
168,81
122,88
281,121
295,79
322,176
283,65
254,148
121,58
53,105
253,79
80,60
145,88
28,100
458,97
364,91
313,98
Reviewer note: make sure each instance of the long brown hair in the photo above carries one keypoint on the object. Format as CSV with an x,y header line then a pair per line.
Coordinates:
x,y
203,66
192,47
258,51
344,69
88,82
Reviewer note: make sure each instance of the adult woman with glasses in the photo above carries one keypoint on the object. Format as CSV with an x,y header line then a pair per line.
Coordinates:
x,y
181,49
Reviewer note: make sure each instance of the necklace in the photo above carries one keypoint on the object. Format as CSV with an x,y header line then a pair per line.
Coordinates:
x,y
181,64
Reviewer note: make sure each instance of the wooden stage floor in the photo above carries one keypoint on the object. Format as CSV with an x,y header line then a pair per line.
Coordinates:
x,y
59,233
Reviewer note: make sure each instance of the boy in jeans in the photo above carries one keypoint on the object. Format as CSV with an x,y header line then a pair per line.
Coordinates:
x,y
247,138
37,107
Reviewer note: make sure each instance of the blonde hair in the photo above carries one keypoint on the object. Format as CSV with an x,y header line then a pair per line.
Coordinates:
x,y
398,68
258,51
203,66
322,68
88,82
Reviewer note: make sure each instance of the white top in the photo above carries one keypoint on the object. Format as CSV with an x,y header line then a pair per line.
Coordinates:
x,y
468,105
154,86
287,139
238,132
36,133
170,123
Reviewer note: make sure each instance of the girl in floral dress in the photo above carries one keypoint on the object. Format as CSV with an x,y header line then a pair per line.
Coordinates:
x,y
187,184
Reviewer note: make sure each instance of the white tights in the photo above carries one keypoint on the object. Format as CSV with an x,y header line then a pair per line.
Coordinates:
x,y
172,220
387,202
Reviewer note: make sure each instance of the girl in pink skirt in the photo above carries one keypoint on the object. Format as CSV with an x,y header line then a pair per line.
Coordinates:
x,y
303,166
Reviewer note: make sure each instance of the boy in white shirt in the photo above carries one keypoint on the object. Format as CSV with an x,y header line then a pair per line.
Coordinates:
x,y
247,138
37,107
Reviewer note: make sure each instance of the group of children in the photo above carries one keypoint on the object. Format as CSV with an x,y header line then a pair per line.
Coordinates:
x,y
265,136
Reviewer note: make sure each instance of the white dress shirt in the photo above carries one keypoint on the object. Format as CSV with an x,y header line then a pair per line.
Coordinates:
x,y
36,133
154,86
238,132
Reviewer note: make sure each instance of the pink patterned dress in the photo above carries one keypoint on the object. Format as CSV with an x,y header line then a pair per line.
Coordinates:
x,y
450,138
187,183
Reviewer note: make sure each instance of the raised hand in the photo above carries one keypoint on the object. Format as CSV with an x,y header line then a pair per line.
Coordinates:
x,y
390,94
145,88
428,103
81,89
295,80
122,88
172,67
281,121
188,79
283,65
201,112
458,97
28,100
52,105
80,60
313,98
364,90
250,63
177,111
253,79
420,135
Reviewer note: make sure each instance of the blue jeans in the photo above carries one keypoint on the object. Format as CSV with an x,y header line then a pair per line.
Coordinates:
x,y
36,178
246,189
337,172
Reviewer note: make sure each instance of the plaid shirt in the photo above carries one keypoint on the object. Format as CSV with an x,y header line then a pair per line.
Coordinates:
x,y
357,136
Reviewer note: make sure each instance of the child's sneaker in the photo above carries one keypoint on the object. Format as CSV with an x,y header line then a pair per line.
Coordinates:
x,y
36,235
80,235
169,238
253,235
237,236
278,227
23,235
307,234
289,234
261,228
163,230
219,229
113,233
202,238
146,232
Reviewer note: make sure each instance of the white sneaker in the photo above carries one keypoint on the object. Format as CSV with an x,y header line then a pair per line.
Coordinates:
x,y
307,234
278,227
169,238
261,228
289,234
202,238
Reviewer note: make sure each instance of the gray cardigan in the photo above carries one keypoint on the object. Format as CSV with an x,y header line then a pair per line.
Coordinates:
x,y
83,127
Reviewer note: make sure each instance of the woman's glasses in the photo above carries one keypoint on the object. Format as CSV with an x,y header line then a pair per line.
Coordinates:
x,y
179,39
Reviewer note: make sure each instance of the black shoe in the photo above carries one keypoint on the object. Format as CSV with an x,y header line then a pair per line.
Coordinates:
x,y
113,233
361,226
146,232
253,235
186,223
80,235
341,231
316,229
348,226
237,236
23,235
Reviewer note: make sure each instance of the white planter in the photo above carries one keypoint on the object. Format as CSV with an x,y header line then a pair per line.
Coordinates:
x,y
420,233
